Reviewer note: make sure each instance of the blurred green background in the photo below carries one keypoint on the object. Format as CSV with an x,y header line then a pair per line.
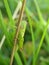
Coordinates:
x,y
33,37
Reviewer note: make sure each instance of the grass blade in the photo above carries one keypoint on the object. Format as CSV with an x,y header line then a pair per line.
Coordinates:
x,y
4,28
41,41
32,35
8,12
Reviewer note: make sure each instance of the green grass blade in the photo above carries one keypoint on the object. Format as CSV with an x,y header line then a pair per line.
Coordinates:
x,y
32,34
8,12
23,57
18,60
39,12
4,28
41,41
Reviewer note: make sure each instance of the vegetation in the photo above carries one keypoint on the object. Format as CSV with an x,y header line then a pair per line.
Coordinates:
x,y
32,41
